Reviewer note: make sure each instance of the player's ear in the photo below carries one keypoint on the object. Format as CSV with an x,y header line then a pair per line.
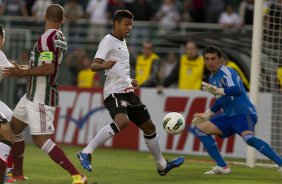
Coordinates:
x,y
115,24
2,40
63,20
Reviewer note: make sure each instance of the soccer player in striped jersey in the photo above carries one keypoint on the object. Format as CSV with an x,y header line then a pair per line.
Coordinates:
x,y
119,97
37,107
239,114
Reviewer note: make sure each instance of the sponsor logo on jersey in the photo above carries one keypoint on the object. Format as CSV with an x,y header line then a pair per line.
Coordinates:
x,y
61,44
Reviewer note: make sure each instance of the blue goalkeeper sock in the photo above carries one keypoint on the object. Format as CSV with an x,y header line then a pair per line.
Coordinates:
x,y
263,147
210,146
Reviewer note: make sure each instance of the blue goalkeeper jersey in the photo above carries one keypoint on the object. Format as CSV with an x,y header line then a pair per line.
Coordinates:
x,y
235,101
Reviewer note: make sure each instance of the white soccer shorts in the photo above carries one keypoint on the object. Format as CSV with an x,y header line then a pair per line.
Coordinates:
x,y
38,116
6,111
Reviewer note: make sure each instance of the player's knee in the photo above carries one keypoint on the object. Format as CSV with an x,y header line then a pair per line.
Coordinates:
x,y
7,133
257,143
122,124
249,139
17,125
148,127
198,132
39,140
8,137
37,143
121,121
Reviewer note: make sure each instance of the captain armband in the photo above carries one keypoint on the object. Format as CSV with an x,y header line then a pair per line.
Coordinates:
x,y
47,57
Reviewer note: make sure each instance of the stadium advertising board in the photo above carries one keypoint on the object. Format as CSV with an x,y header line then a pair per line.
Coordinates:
x,y
81,115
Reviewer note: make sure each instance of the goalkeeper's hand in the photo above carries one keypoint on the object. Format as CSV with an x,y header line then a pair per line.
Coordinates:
x,y
200,118
218,92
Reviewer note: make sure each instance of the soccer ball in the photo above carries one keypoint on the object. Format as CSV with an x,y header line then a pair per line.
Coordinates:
x,y
174,123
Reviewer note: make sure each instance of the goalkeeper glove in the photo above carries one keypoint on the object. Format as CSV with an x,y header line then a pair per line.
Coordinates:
x,y
200,118
218,92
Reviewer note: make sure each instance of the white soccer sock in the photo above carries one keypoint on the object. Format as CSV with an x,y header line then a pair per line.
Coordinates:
x,y
48,146
152,142
5,150
19,137
103,135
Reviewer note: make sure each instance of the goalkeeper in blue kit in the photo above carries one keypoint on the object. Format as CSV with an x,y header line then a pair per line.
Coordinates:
x,y
239,115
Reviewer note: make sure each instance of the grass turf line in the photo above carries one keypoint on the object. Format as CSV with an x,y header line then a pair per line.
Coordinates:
x,y
111,166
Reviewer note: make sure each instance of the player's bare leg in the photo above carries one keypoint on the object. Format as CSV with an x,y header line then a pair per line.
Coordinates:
x,y
57,155
263,147
203,131
107,132
17,152
48,146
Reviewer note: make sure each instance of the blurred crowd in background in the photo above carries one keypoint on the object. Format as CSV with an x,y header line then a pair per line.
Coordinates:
x,y
183,70
229,12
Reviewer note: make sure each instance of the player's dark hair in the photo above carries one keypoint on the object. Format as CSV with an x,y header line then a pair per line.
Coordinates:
x,y
213,50
120,14
1,30
55,13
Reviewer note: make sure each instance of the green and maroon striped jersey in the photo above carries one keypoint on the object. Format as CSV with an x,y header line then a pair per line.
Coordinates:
x,y
49,48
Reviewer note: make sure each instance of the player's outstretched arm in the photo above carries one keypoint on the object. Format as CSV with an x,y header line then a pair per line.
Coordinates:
x,y
99,64
18,71
13,63
212,89
229,91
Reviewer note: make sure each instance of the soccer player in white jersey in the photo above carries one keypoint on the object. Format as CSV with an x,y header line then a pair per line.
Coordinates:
x,y
7,113
37,107
6,133
119,97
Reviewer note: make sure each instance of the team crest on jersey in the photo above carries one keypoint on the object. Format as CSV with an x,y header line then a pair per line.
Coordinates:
x,y
123,103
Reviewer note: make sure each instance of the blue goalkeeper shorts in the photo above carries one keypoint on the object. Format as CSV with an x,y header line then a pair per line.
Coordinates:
x,y
235,124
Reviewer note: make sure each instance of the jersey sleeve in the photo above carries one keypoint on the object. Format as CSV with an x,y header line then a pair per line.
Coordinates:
x,y
216,106
60,46
230,82
4,62
229,78
52,47
103,49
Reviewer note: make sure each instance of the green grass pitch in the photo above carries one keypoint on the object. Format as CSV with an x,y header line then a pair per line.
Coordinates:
x,y
130,167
